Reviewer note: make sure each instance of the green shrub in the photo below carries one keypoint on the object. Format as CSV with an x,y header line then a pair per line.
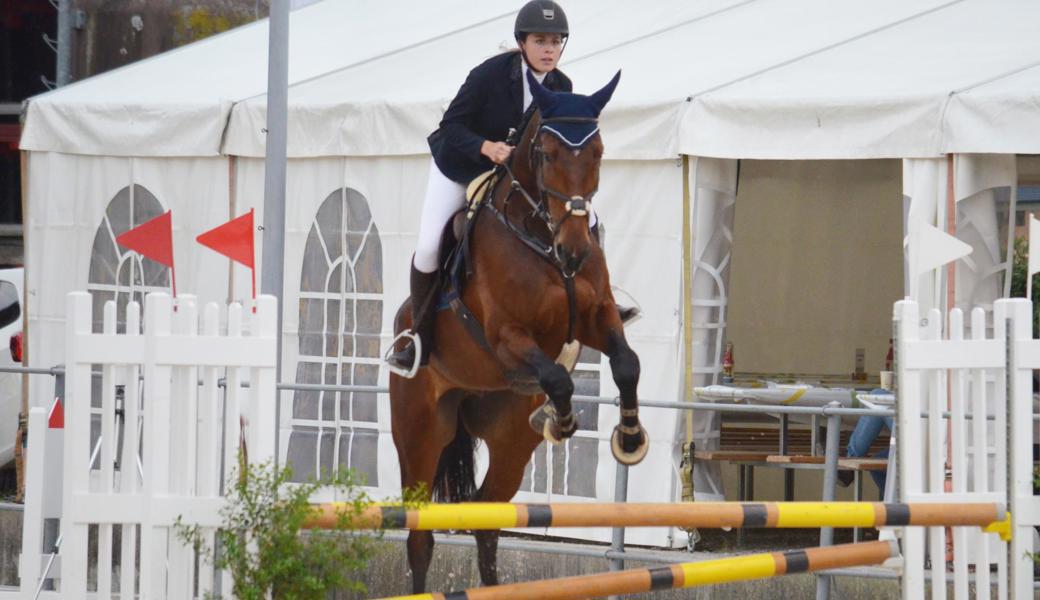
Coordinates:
x,y
260,541
1018,279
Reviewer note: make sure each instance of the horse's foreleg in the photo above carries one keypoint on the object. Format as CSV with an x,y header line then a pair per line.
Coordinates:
x,y
629,442
555,419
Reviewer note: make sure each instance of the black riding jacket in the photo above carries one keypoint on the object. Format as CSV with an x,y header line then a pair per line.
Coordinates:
x,y
488,104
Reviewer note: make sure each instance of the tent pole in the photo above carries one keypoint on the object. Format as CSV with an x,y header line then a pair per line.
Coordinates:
x,y
273,257
951,228
23,415
951,274
687,294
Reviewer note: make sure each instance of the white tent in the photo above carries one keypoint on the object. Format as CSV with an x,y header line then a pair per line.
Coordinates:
x,y
704,84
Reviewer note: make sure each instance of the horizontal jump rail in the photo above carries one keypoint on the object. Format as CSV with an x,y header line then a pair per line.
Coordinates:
x,y
488,515
684,575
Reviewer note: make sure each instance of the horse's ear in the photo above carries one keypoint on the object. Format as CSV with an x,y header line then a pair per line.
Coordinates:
x,y
543,97
600,98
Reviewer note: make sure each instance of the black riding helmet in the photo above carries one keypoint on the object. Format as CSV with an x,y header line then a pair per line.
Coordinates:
x,y
540,16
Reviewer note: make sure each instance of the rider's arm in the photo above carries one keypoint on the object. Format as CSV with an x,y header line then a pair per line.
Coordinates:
x,y
468,102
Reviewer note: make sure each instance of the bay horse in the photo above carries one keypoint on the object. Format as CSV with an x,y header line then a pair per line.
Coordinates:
x,y
538,280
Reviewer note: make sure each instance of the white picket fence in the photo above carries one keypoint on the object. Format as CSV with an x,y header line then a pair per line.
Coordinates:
x,y
174,466
982,380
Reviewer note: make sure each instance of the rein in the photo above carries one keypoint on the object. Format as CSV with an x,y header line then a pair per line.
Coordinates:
x,y
577,206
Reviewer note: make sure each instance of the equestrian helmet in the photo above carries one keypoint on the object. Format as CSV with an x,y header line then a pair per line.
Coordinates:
x,y
541,16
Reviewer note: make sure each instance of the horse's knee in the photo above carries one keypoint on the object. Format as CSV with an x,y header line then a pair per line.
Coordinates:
x,y
625,367
556,382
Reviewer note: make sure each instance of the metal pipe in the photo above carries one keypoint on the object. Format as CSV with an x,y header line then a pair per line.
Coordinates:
x,y
830,484
320,387
275,160
784,447
617,536
47,569
613,401
710,406
738,408
273,254
53,371
63,67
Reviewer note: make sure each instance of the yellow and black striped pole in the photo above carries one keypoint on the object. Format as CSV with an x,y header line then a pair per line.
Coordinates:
x,y
476,515
685,575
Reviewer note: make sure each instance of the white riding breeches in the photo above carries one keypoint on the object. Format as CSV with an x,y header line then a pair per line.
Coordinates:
x,y
444,198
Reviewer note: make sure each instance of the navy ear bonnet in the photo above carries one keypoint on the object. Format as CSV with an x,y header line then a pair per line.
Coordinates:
x,y
564,105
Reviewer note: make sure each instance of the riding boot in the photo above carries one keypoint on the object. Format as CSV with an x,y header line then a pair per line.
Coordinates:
x,y
627,313
422,286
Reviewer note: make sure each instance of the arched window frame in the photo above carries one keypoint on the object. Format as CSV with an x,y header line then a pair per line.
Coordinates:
x,y
344,425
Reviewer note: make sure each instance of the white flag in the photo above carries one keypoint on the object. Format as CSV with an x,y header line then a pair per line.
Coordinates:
x,y
935,248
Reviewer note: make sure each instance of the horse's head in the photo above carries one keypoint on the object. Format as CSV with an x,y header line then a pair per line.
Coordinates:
x,y
565,157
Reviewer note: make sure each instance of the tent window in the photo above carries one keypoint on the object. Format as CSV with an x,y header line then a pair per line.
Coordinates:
x,y
115,272
341,315
119,274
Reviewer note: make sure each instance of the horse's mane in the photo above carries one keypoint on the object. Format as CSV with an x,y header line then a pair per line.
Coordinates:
x,y
521,131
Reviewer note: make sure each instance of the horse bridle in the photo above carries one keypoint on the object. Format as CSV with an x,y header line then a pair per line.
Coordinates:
x,y
576,206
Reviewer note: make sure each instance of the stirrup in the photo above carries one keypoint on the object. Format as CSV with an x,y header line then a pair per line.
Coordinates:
x,y
417,343
634,312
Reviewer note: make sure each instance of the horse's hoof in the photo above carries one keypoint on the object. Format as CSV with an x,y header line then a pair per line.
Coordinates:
x,y
558,432
541,422
551,433
546,423
635,456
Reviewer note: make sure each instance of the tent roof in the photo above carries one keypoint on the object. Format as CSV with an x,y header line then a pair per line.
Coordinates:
x,y
725,78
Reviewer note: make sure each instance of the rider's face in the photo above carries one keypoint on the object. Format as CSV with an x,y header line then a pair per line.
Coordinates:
x,y
542,50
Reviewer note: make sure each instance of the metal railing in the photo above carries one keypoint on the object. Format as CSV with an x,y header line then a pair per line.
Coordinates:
x,y
616,553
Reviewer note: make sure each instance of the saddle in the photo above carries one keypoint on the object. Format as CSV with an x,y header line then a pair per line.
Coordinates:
x,y
455,257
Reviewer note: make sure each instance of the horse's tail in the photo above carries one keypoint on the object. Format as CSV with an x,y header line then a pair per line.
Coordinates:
x,y
455,480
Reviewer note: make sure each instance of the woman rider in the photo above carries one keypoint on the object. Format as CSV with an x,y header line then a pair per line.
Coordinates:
x,y
471,140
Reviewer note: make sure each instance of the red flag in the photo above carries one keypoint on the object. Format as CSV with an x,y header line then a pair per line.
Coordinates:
x,y
234,240
154,240
57,418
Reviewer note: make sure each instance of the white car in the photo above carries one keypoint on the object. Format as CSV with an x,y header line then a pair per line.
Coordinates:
x,y
11,281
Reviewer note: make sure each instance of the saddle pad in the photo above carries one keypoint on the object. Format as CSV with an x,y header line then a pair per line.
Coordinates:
x,y
476,185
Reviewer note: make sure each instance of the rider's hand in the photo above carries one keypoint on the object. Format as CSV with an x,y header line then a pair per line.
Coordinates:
x,y
498,152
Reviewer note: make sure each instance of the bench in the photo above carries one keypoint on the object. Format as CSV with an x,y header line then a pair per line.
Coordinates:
x,y
747,460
